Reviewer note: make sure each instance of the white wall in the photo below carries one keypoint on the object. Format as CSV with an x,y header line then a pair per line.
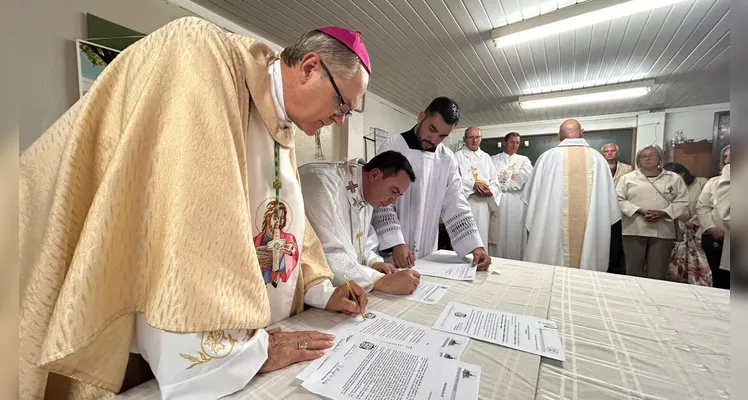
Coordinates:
x,y
697,123
49,32
378,113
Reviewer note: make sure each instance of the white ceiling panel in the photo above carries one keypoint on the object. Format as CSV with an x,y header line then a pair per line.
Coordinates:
x,y
421,49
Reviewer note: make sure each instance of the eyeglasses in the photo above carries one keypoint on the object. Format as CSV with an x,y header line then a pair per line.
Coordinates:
x,y
343,109
647,156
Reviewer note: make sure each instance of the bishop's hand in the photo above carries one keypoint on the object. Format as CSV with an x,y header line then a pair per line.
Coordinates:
x,y
286,348
403,257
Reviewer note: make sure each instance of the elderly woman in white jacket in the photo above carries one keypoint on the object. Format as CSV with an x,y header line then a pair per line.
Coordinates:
x,y
651,199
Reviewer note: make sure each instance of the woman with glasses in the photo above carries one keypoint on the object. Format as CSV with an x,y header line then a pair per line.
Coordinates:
x,y
651,200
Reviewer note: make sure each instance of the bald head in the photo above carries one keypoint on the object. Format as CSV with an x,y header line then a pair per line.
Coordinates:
x,y
472,138
570,129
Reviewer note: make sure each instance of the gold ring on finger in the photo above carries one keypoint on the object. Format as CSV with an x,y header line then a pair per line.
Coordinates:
x,y
303,344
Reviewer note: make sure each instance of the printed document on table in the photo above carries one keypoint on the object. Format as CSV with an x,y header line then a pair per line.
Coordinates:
x,y
398,333
521,332
428,292
406,334
373,370
460,272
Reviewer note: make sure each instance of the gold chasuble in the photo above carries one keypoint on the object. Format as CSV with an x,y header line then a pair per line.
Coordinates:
x,y
138,200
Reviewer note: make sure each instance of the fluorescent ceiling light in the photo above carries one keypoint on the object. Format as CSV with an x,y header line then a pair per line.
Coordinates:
x,y
573,17
585,84
590,95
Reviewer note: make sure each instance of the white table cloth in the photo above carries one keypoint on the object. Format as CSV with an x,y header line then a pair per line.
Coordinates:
x,y
625,337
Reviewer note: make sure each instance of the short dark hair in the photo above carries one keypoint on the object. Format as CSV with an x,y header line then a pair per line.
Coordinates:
x,y
510,135
447,108
681,170
391,163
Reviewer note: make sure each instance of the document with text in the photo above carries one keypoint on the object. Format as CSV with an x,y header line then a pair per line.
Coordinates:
x,y
460,272
398,333
428,292
361,368
521,332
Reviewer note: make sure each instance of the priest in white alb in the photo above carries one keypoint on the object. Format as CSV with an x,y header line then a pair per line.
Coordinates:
x,y
344,195
479,181
507,237
162,216
410,228
571,204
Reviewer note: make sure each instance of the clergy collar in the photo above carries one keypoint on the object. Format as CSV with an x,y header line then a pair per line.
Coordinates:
x,y
276,90
467,150
574,142
259,61
411,139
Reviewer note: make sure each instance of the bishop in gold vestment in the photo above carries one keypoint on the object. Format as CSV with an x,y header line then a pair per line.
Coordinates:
x,y
140,207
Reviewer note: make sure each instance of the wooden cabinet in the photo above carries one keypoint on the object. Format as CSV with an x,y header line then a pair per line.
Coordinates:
x,y
696,156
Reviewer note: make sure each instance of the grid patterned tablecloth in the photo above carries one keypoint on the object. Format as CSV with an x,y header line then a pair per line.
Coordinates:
x,y
625,338
635,338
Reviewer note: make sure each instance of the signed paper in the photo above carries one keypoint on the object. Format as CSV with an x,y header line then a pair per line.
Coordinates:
x,y
521,332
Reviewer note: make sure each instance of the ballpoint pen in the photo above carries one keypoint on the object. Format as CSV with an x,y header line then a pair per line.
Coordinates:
x,y
350,293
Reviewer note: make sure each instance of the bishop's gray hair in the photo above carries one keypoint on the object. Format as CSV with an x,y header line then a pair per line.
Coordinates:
x,y
337,56
609,144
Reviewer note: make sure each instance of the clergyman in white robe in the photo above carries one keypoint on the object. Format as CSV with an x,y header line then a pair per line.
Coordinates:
x,y
414,219
571,205
507,237
477,165
341,218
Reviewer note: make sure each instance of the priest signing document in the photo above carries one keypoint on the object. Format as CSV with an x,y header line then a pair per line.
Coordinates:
x,y
571,204
479,181
162,215
410,228
341,198
507,237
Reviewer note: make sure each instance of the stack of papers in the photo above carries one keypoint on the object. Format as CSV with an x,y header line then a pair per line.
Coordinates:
x,y
383,357
446,265
459,272
529,334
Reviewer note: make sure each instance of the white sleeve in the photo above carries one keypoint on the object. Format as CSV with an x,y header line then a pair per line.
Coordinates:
x,y
329,222
371,256
493,184
387,225
523,175
200,366
458,218
318,295
722,197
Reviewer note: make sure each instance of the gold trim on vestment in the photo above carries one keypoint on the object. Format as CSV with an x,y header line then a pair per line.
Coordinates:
x,y
577,188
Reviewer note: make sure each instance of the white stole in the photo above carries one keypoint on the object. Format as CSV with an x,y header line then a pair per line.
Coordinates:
x,y
280,280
